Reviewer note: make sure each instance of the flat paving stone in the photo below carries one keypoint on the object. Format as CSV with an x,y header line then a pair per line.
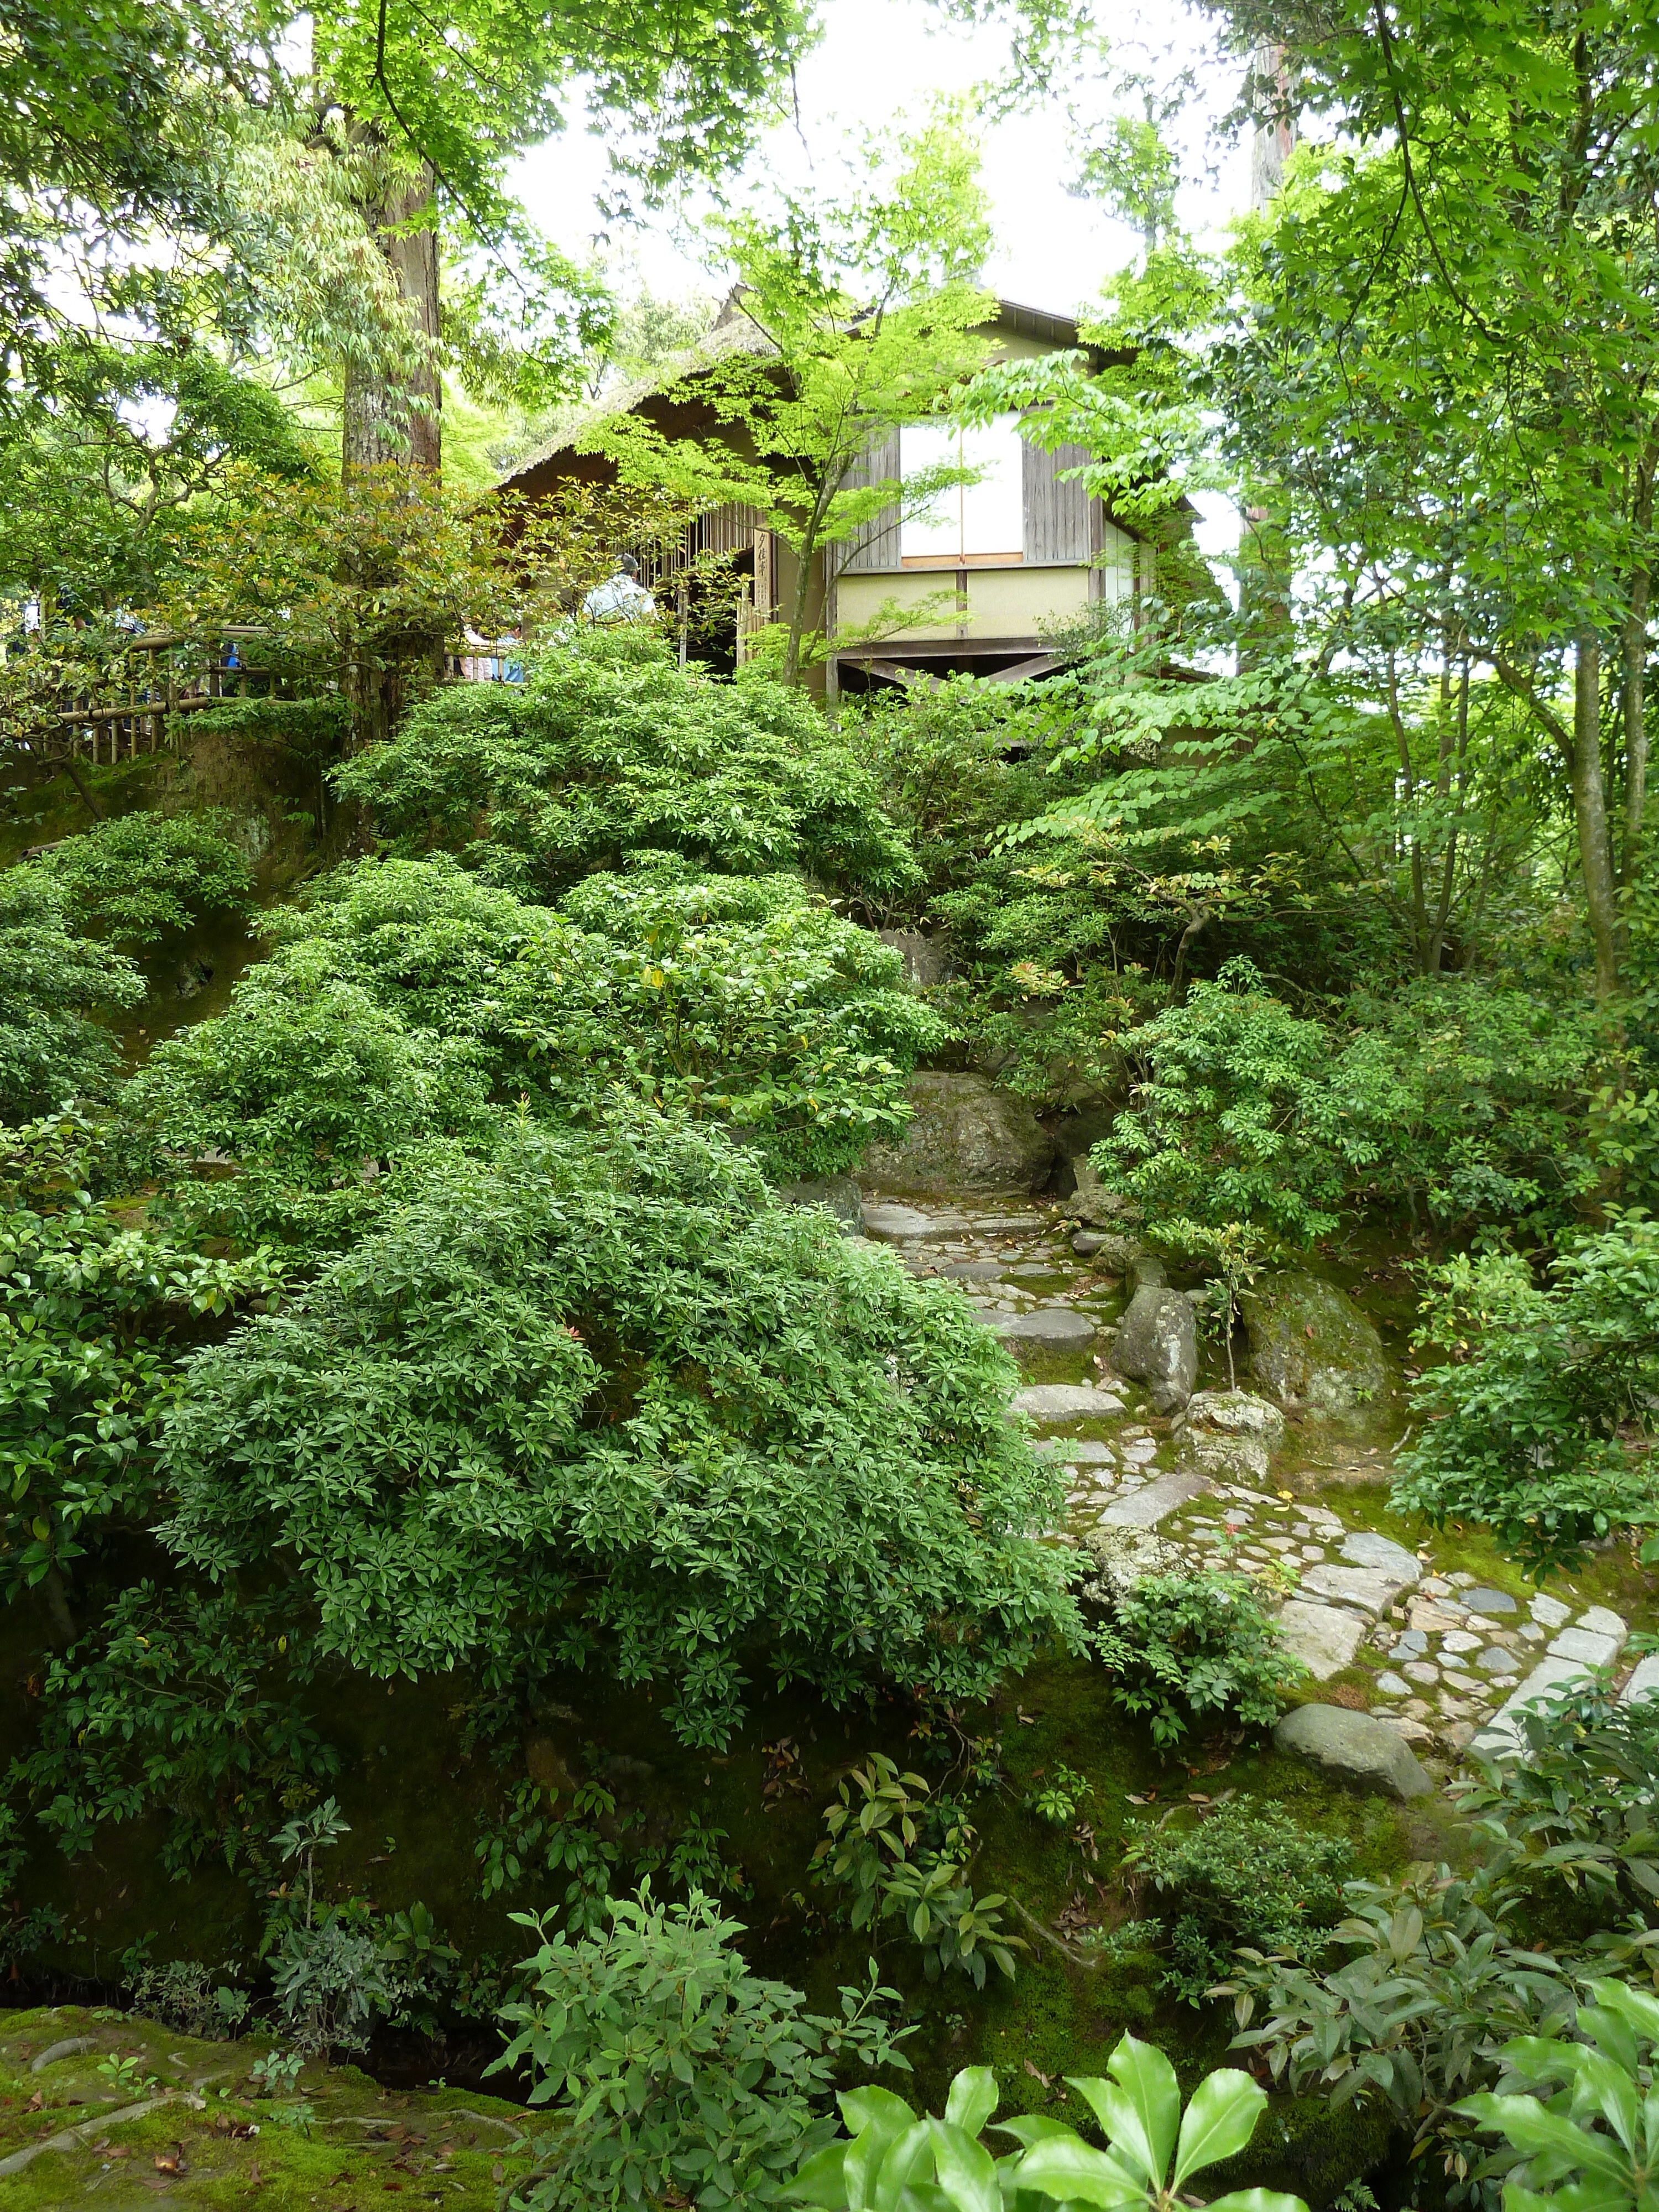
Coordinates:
x,y
1584,1644
1410,1644
1600,1620
1086,1448
1501,1736
1550,1612
1068,1402
1367,1588
1365,1548
905,1221
1489,1601
1392,1685
1149,1506
1495,1660
1324,1637
1644,1682
1048,1325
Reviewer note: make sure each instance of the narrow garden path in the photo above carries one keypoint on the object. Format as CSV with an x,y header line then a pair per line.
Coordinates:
x,y
1444,1656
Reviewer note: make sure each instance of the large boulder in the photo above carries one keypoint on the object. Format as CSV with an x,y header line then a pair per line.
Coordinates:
x,y
928,960
840,1195
1230,1435
1157,1344
1091,1203
964,1134
1352,1748
1119,1255
1310,1347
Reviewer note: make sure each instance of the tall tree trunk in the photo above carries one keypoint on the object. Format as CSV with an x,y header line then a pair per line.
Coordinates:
x,y
395,423
1449,862
1589,807
1636,725
400,421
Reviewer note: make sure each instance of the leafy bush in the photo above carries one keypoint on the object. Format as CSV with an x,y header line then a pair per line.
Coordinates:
x,y
1186,1648
1153,2149
184,1994
337,1970
1235,1121
135,878
170,1708
1443,1969
608,1384
876,1851
409,995
1523,1422
1244,1873
674,2074
1451,1097
95,1314
54,984
1607,2075
610,749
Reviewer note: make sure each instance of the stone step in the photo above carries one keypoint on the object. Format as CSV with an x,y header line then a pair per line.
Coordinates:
x,y
1046,1325
1068,1402
1147,1507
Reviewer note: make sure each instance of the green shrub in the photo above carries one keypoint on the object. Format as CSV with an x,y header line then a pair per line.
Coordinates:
x,y
1192,1648
180,1704
675,2076
1444,1968
136,878
408,995
611,749
1154,2150
1450,1097
1523,1422
1242,1873
96,1313
607,1386
876,1851
55,983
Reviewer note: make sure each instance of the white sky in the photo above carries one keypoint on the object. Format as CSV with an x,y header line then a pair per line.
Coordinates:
x,y
881,60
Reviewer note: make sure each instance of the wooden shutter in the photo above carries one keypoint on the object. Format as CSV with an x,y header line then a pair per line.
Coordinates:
x,y
1056,510
876,545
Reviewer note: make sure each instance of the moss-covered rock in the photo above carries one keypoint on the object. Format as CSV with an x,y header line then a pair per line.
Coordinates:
x,y
1312,1348
112,2103
964,1135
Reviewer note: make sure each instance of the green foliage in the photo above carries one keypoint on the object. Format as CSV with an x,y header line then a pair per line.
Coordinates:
x,y
1453,1096
1445,1968
1607,2076
1233,1122
875,1849
1243,1872
178,1704
1153,2148
133,879
1060,1794
1527,1423
95,1311
608,1384
408,995
53,984
673,2073
610,749
1192,1648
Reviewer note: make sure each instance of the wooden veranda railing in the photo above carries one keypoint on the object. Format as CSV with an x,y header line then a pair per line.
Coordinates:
x,y
127,710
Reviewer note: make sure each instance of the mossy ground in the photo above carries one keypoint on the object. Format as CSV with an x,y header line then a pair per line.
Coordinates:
x,y
340,2143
